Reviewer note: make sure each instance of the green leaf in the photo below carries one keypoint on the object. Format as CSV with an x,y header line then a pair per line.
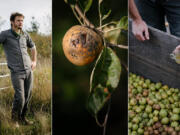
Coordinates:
x,y
85,5
122,39
123,23
106,15
118,36
88,4
107,70
104,80
97,99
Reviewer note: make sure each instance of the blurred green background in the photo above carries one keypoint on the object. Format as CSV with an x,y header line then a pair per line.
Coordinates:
x,y
71,83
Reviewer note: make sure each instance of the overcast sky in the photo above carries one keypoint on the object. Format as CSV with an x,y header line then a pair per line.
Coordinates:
x,y
40,9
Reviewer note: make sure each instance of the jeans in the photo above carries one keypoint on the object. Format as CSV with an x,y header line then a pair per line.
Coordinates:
x,y
153,12
22,83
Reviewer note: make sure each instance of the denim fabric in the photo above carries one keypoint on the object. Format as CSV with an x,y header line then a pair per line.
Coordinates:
x,y
153,13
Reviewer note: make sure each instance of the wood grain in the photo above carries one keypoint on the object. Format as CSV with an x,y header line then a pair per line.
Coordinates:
x,y
151,59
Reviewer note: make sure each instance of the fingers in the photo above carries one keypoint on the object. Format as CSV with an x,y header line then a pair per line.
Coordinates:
x,y
177,50
178,47
140,30
142,35
146,33
33,66
139,36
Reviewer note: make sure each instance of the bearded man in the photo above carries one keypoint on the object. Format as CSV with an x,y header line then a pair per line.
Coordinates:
x,y
15,42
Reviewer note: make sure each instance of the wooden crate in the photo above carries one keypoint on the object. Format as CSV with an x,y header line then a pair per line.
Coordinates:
x,y
151,59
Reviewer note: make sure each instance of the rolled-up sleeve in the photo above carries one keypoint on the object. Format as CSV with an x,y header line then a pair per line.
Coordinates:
x,y
2,37
30,43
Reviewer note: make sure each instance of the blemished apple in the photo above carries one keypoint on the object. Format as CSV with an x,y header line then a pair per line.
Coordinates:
x,y
81,45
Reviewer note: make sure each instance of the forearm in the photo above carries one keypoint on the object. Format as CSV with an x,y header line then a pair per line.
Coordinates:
x,y
34,54
133,11
139,27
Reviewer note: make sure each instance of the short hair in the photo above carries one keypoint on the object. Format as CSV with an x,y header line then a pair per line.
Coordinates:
x,y
13,16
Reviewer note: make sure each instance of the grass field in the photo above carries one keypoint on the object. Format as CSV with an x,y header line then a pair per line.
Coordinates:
x,y
40,105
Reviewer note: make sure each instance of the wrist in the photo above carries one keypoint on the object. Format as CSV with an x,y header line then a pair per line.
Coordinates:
x,y
138,20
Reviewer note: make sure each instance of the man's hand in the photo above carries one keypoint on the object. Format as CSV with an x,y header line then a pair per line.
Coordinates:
x,y
34,58
140,30
177,48
33,65
139,27
176,54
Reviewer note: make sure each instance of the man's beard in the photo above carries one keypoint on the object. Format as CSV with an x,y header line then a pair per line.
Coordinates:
x,y
18,27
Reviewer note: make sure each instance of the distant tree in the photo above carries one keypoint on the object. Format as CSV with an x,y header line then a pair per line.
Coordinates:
x,y
1,49
47,23
1,22
34,26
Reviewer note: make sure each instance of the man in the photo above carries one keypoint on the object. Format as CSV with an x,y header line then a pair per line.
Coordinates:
x,y
15,42
153,13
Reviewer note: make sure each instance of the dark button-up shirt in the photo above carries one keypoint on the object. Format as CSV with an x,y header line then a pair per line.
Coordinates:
x,y
15,47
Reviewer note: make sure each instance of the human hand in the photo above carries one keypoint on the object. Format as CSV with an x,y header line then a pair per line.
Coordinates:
x,y
140,30
177,50
33,65
176,54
